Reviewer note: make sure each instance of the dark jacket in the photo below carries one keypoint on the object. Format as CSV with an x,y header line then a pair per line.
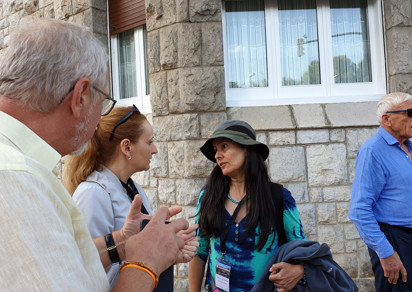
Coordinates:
x,y
322,273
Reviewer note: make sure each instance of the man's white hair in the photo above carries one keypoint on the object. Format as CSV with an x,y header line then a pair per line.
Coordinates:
x,y
45,58
389,101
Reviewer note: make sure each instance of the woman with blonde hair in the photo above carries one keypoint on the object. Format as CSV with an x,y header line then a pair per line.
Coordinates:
x,y
100,177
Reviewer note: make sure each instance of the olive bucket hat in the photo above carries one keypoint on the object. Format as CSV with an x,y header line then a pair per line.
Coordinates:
x,y
237,131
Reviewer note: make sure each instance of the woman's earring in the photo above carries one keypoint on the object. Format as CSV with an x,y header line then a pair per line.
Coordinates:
x,y
130,158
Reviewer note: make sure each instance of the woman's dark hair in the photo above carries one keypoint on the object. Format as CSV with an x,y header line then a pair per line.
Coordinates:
x,y
260,204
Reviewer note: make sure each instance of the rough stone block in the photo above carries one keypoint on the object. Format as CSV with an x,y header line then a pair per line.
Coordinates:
x,y
333,236
351,114
337,194
209,122
189,44
160,13
142,178
201,89
397,13
282,138
350,231
402,83
315,195
158,94
326,164
351,169
264,118
307,214
351,246
365,267
356,137
12,6
185,160
158,165
182,271
309,116
287,164
167,192
181,284
153,198
182,10
212,44
365,285
62,9
337,135
205,10
188,190
312,136
261,137
153,51
399,50
326,213
168,40
342,211
299,192
30,6
178,127
348,262
44,3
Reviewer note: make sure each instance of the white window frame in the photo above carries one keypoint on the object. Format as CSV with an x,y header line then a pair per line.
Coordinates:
x,y
327,92
142,100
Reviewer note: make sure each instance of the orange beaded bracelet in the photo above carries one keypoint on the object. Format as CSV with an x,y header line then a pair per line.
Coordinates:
x,y
143,267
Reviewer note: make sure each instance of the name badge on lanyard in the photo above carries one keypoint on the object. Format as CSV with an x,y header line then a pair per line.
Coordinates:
x,y
223,267
222,275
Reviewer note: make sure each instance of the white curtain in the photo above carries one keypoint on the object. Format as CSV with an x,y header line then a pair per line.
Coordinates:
x,y
127,64
246,42
299,46
350,41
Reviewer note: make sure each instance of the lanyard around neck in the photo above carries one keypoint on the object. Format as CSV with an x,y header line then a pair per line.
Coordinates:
x,y
225,229
132,191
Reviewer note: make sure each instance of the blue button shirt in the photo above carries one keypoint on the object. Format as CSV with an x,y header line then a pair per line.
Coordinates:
x,y
381,190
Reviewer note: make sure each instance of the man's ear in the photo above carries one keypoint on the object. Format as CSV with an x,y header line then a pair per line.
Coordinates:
x,y
80,98
385,120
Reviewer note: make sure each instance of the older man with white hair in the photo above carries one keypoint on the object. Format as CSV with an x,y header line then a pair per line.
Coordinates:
x,y
381,201
53,90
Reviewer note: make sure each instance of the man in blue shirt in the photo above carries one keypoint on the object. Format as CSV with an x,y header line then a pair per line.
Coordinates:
x,y
381,204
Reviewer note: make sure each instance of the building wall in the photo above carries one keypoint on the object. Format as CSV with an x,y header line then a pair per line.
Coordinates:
x,y
313,147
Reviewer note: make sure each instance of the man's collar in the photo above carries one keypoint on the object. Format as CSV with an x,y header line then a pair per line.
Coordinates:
x,y
28,141
391,140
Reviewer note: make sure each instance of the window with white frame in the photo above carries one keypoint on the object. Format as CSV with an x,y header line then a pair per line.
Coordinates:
x,y
303,51
130,69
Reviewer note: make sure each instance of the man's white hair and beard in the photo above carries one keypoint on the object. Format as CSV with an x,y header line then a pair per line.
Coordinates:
x,y
81,133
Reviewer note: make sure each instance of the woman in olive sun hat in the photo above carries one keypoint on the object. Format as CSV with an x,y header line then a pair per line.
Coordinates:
x,y
243,217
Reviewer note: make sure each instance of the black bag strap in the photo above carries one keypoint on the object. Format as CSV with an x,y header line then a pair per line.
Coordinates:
x,y
277,194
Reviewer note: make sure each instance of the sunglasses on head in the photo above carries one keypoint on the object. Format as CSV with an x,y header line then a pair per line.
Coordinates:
x,y
124,119
409,111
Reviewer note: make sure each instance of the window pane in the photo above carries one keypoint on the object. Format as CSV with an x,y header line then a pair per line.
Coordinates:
x,y
350,41
127,64
246,41
299,51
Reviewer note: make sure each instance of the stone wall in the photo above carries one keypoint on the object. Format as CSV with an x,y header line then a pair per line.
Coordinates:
x,y
398,28
89,13
313,147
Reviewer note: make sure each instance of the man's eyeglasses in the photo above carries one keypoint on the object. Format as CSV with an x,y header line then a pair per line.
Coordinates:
x,y
124,119
409,111
108,102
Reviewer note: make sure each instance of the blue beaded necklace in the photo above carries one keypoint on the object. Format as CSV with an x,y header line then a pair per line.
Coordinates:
x,y
232,200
